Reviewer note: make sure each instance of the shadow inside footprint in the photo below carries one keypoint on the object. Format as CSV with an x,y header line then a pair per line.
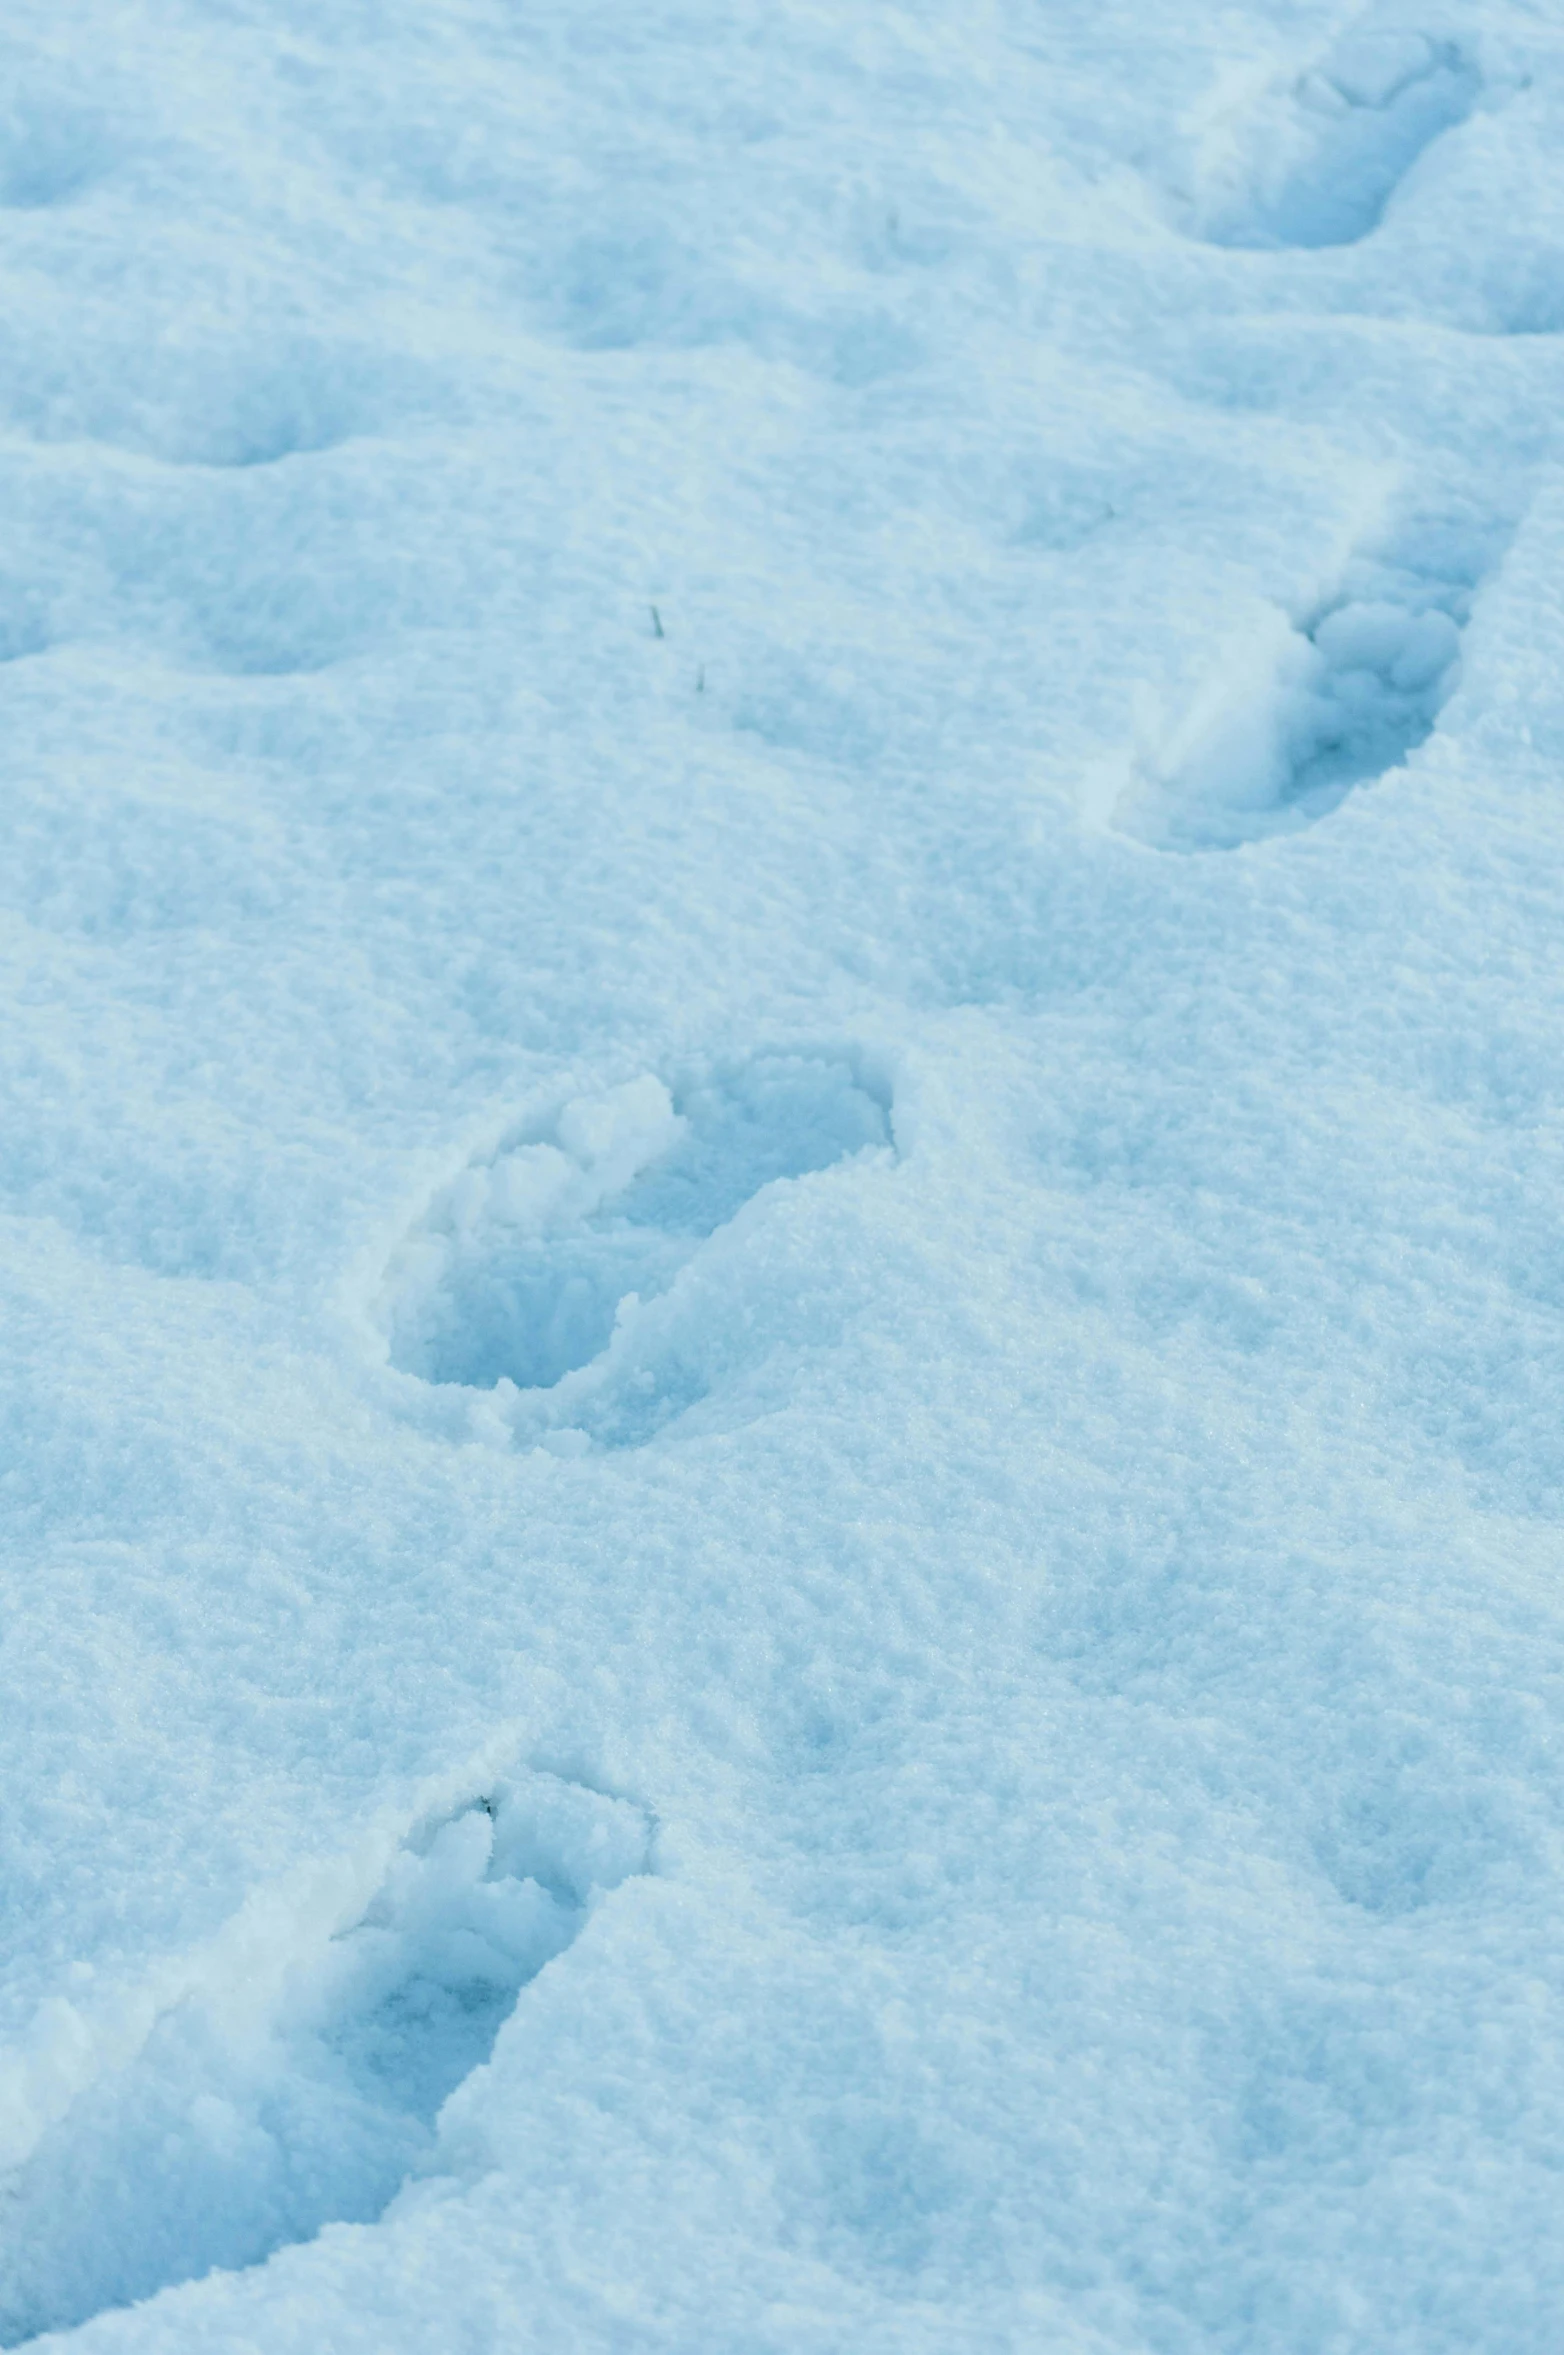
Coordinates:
x,y
240,2128
524,1269
1318,166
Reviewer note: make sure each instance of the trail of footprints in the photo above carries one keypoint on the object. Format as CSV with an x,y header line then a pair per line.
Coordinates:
x,y
546,1278
560,1281
1343,691
238,2130
559,1278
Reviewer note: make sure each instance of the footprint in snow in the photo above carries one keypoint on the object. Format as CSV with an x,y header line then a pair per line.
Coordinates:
x,y
49,154
1317,159
243,2125
1312,706
570,1274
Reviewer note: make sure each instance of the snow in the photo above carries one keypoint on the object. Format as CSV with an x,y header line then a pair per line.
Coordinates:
x,y
293,2088
780,1202
532,1275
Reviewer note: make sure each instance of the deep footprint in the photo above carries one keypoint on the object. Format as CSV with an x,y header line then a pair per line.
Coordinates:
x,y
1323,704
233,2134
1318,165
530,1268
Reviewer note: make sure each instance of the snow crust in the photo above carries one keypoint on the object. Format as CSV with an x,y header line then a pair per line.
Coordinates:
x,y
782,1439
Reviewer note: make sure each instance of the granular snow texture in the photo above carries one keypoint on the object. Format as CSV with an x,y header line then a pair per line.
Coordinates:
x,y
782,1192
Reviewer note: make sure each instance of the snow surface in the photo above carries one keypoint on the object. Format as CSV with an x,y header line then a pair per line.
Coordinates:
x,y
783,1176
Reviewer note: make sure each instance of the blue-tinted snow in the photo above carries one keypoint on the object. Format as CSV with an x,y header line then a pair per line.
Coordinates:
x,y
782,1185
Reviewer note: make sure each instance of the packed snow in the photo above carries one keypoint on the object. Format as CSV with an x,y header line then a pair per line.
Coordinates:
x,y
782,1202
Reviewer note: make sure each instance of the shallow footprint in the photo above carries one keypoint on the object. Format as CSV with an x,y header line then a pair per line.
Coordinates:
x,y
231,2135
1317,161
527,1271
1316,705
49,153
